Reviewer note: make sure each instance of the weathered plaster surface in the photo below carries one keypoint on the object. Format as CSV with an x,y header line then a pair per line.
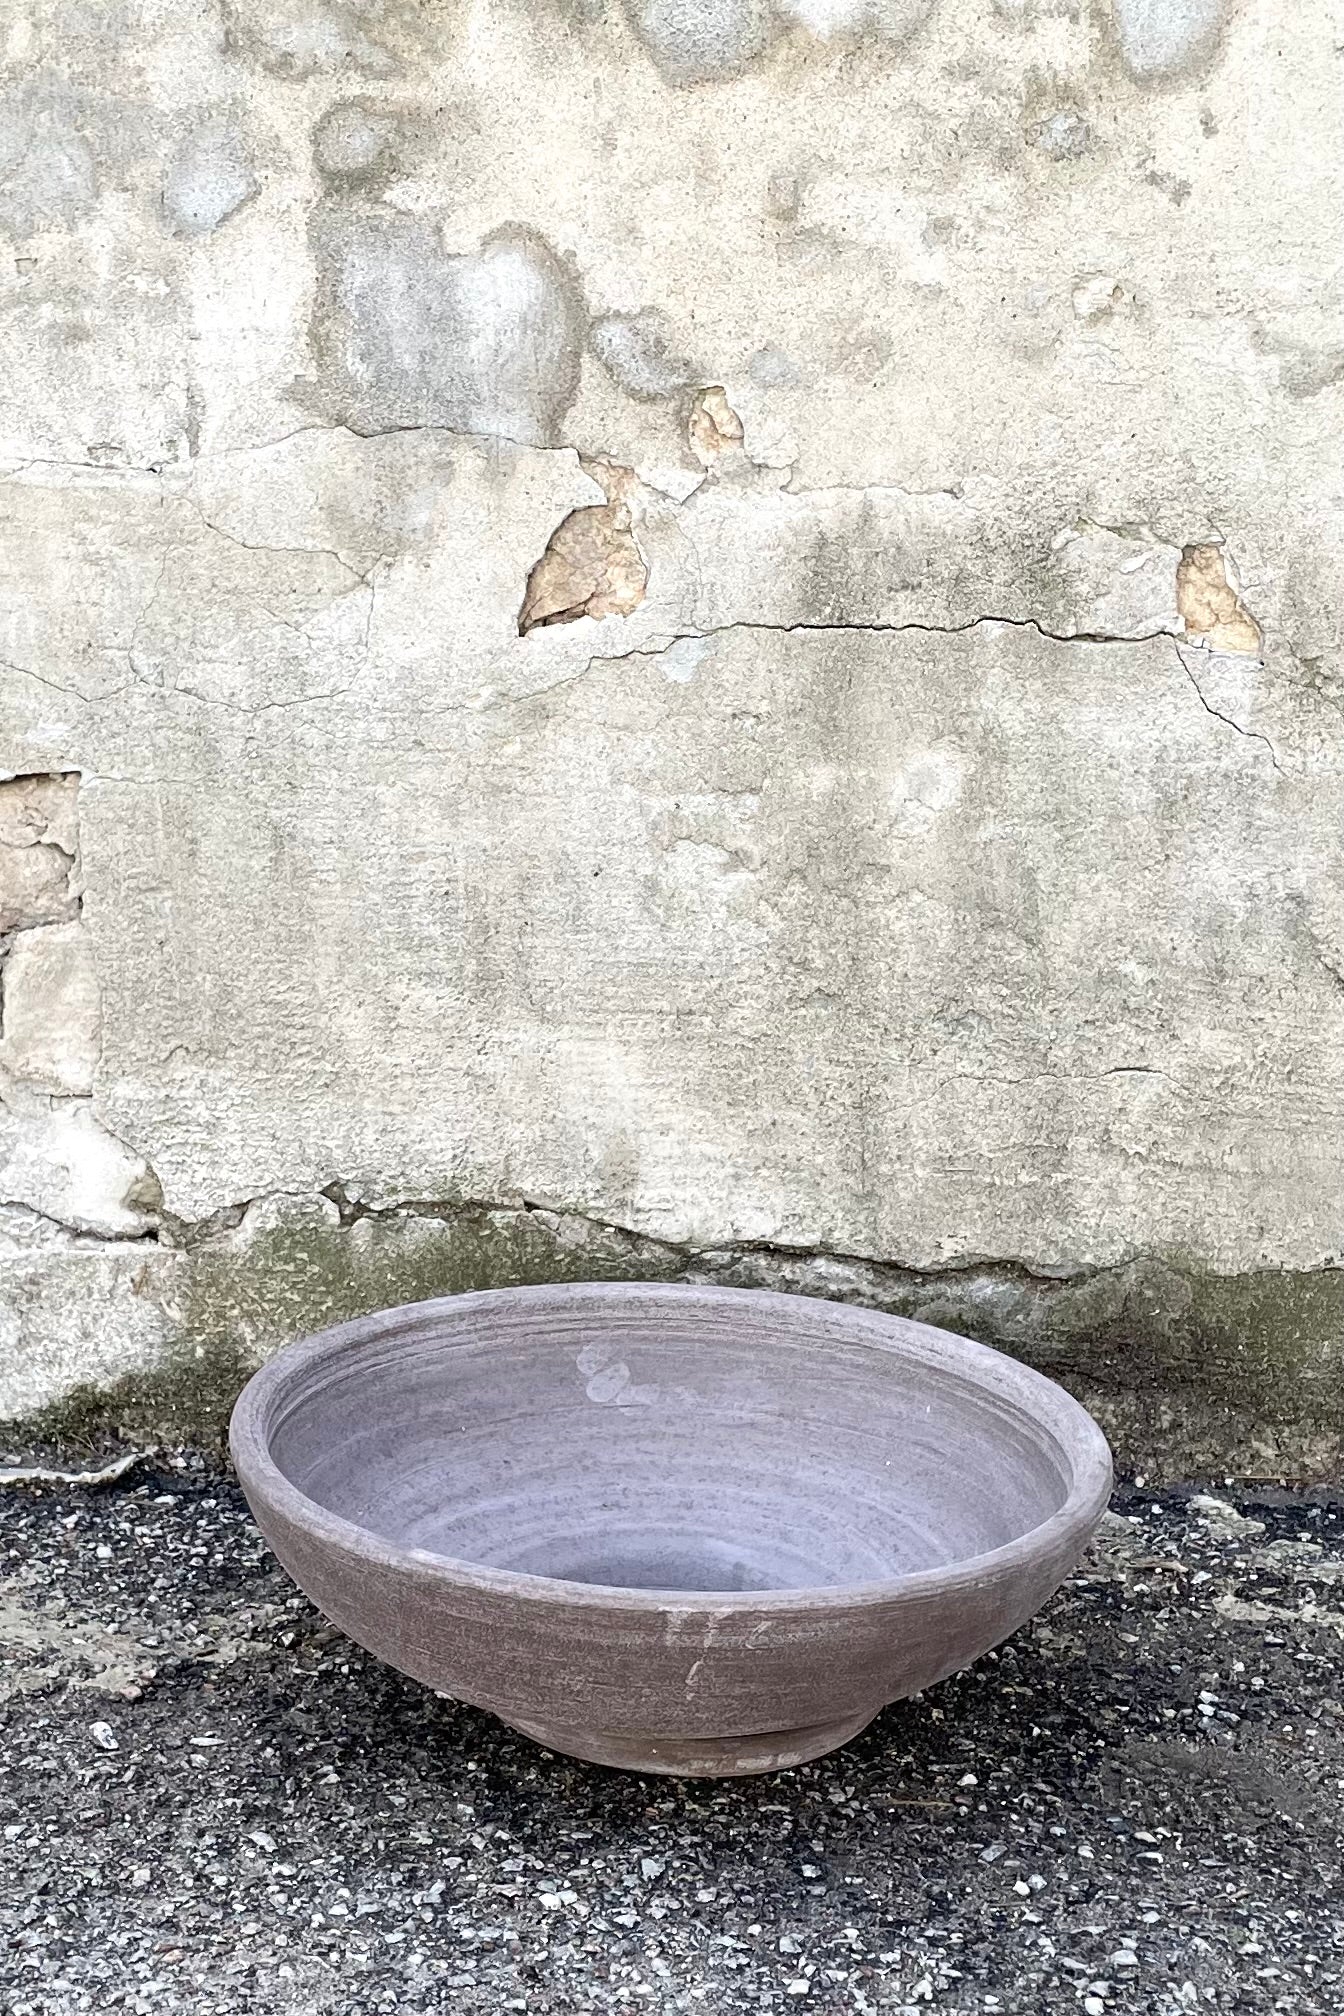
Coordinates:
x,y
752,656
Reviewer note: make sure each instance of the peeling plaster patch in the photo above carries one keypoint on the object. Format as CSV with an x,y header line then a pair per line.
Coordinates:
x,y
76,1310
47,171
208,178
591,567
409,335
713,428
355,142
1163,39
640,353
49,1015
692,41
672,480
34,887
1210,604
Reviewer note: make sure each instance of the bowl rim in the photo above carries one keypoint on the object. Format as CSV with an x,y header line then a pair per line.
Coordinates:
x,y
1077,1435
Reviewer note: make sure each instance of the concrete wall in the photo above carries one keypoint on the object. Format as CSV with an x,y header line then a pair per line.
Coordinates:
x,y
687,636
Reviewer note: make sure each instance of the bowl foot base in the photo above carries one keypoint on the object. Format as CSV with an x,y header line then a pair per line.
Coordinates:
x,y
699,1756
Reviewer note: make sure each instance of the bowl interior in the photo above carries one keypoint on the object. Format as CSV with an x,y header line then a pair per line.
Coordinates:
x,y
668,1447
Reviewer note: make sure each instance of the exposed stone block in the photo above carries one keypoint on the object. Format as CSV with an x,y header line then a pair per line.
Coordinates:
x,y
38,844
49,1009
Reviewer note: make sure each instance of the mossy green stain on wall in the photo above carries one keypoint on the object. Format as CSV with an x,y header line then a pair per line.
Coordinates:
x,y
304,1275
1191,1372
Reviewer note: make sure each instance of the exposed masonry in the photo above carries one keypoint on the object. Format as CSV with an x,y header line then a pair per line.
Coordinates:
x,y
592,565
57,1162
714,428
1208,599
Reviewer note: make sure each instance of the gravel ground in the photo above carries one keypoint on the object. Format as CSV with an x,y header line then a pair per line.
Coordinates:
x,y
209,1801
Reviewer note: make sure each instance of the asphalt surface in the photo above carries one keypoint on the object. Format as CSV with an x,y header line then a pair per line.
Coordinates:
x,y
209,1801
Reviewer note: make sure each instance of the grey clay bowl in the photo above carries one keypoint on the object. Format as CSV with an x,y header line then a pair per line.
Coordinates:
x,y
695,1530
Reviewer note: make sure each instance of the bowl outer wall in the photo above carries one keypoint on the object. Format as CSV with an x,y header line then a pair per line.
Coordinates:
x,y
637,1661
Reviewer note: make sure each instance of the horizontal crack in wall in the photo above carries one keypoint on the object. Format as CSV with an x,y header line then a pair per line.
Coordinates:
x,y
1155,1346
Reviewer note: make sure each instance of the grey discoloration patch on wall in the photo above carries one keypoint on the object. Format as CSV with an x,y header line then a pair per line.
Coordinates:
x,y
771,367
209,177
1167,40
299,39
1304,373
695,41
692,41
48,174
356,142
641,354
409,335
1304,369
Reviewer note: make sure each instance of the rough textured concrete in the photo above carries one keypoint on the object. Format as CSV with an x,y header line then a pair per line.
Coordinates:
x,y
753,657
210,1802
